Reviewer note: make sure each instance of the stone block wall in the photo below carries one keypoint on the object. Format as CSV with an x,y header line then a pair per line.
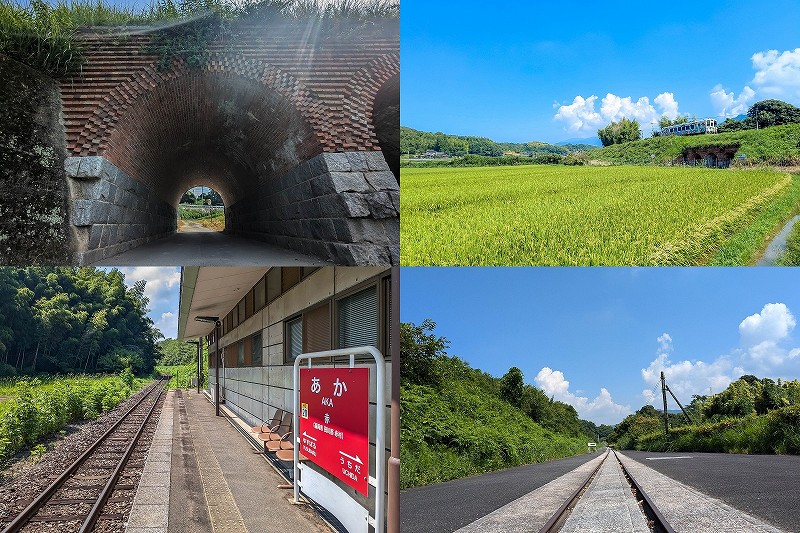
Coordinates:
x,y
343,206
111,211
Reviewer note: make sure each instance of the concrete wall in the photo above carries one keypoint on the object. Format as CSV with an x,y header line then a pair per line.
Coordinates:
x,y
254,393
111,211
342,206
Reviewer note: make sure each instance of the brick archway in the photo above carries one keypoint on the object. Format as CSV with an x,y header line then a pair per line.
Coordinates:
x,y
286,136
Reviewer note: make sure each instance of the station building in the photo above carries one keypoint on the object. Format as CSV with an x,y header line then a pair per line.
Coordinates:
x,y
269,315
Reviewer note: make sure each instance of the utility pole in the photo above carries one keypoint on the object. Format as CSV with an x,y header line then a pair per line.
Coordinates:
x,y
664,396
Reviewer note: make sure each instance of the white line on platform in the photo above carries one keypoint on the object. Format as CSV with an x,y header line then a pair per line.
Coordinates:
x,y
676,457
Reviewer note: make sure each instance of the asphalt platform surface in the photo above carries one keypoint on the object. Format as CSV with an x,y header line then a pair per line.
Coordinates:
x,y
446,507
766,486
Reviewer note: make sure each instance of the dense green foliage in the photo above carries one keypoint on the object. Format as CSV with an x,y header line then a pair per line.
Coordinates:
x,y
620,132
415,142
750,416
182,375
763,115
177,352
778,145
41,406
190,198
455,422
572,159
536,215
65,319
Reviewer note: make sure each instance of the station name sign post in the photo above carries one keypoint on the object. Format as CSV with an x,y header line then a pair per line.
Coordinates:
x,y
331,422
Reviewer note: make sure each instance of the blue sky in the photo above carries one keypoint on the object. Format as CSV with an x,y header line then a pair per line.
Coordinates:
x,y
163,289
503,71
608,332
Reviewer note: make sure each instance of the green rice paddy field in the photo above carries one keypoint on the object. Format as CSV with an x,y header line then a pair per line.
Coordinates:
x,y
616,215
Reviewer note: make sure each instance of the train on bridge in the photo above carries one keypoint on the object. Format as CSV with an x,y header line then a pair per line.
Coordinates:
x,y
693,127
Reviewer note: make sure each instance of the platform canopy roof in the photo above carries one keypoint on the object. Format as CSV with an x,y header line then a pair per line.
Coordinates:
x,y
212,291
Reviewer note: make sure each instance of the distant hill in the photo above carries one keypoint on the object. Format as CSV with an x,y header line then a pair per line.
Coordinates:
x,y
581,141
416,142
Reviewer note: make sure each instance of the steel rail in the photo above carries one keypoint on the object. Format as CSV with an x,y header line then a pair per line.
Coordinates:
x,y
550,525
94,514
26,514
661,524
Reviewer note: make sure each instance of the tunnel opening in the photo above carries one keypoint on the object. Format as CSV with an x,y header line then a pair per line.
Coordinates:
x,y
201,209
257,138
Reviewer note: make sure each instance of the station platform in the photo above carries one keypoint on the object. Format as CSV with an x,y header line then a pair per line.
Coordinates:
x,y
211,479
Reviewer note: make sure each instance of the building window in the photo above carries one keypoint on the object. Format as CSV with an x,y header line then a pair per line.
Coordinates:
x,y
240,354
259,294
241,314
248,304
357,319
291,277
273,284
256,350
294,338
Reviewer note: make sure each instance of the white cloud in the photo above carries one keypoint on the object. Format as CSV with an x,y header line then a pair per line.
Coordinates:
x,y
777,76
760,354
168,324
729,105
161,288
773,323
668,105
161,281
602,409
778,73
581,116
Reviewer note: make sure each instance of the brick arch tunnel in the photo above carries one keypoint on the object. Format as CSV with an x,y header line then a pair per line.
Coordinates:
x,y
300,159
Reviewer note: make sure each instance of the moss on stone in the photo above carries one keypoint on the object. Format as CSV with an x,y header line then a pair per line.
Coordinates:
x,y
33,213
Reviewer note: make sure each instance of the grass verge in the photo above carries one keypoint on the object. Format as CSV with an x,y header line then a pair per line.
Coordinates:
x,y
746,245
38,408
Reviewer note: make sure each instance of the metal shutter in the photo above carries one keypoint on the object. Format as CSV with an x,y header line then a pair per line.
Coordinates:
x,y
358,319
317,329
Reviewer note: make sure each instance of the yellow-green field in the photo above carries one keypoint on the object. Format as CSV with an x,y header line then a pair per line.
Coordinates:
x,y
619,215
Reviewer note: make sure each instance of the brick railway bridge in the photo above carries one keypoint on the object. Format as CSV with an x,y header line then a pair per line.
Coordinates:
x,y
296,127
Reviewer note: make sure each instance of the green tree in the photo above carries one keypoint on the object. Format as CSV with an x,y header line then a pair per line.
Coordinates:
x,y
512,387
419,351
772,113
188,198
620,132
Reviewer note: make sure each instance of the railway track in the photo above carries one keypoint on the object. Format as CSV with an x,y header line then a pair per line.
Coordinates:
x,y
574,511
95,492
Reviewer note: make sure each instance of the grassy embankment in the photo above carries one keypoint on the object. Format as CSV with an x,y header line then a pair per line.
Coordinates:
x,y
629,215
213,219
31,409
461,427
181,375
778,145
777,432
750,416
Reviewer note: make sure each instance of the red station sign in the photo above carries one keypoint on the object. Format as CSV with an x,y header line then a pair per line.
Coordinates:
x,y
334,422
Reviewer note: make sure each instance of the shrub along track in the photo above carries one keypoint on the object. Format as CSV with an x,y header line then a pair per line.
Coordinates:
x,y
98,478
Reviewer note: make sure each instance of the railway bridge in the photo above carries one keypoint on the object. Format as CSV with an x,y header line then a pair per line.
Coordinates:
x,y
296,125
